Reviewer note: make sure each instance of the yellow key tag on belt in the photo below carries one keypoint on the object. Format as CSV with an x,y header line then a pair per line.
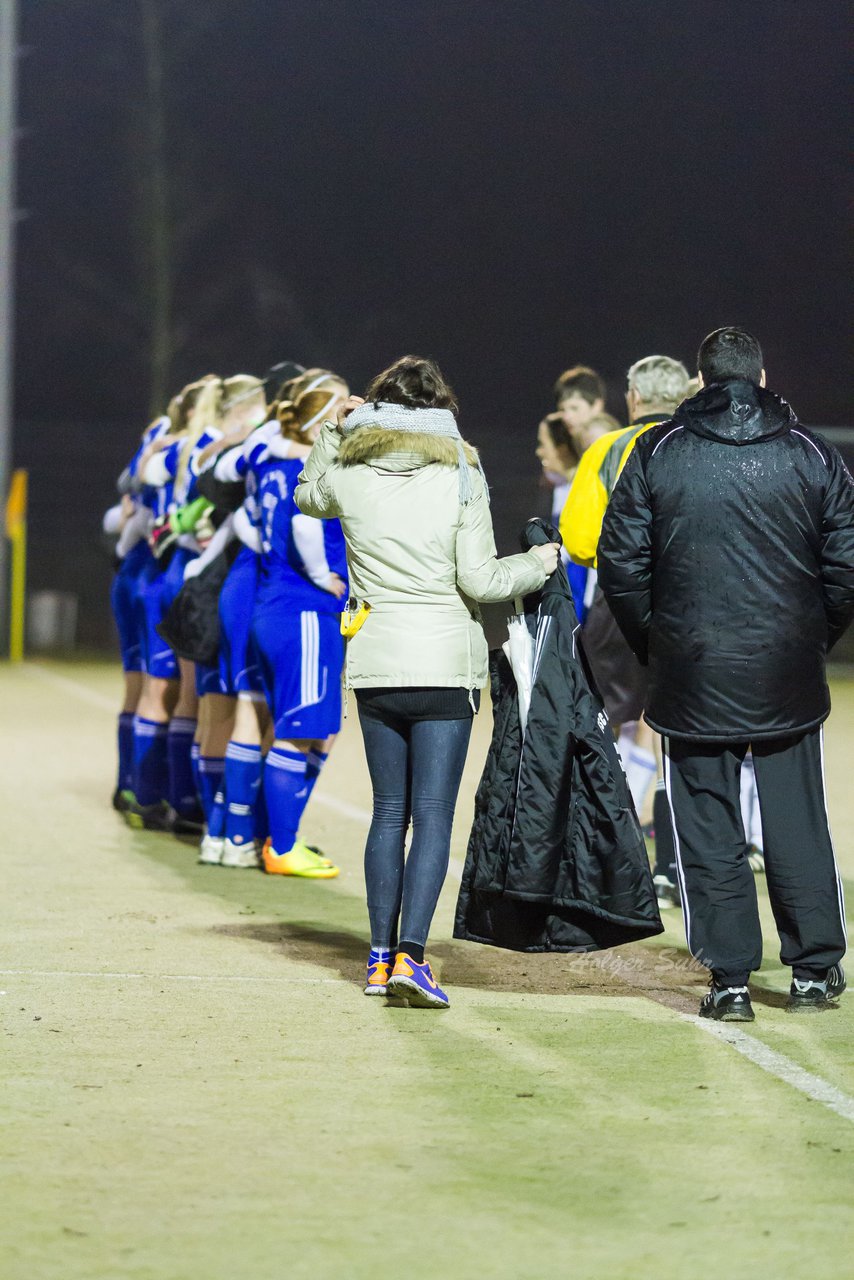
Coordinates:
x,y
353,618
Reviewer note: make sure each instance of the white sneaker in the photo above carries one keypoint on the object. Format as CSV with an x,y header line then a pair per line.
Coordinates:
x,y
239,855
210,850
666,892
756,859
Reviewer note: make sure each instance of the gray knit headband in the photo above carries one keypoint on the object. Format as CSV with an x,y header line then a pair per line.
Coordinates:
x,y
422,422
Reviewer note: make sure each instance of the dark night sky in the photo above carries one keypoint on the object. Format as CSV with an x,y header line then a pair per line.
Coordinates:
x,y
510,187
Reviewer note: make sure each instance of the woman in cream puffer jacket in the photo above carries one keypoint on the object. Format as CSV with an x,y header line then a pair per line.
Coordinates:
x,y
416,555
414,508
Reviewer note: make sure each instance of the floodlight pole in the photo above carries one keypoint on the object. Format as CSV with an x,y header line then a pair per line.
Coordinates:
x,y
8,68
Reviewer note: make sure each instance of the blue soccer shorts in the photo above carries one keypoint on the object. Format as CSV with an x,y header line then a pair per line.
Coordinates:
x,y
123,598
238,661
157,590
208,680
158,660
301,656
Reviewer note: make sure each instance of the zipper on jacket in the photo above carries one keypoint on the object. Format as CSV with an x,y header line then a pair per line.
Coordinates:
x,y
470,670
346,677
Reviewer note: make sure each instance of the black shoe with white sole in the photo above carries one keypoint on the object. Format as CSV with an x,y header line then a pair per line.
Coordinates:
x,y
727,1004
809,995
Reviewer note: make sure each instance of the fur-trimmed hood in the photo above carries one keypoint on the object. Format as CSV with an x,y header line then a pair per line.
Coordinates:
x,y
413,541
376,444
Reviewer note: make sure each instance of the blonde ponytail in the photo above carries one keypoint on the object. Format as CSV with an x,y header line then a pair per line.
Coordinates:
x,y
208,413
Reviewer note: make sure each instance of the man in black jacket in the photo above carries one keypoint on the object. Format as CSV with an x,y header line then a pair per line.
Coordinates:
x,y
727,557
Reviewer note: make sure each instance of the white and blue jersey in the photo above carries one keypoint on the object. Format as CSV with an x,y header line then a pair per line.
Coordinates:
x,y
239,671
185,487
150,436
136,561
184,467
156,497
166,485
298,553
295,624
159,582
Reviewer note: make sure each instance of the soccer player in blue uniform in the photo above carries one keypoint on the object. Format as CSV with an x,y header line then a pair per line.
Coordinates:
x,y
236,834
155,783
129,522
296,632
227,412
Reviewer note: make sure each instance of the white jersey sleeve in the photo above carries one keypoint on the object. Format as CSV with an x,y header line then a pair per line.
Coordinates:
x,y
311,546
136,528
112,522
247,532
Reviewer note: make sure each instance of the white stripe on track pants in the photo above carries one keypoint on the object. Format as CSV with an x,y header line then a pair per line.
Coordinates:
x,y
718,889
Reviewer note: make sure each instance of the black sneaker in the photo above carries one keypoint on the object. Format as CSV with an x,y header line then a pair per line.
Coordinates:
x,y
727,1004
150,817
808,995
122,800
189,824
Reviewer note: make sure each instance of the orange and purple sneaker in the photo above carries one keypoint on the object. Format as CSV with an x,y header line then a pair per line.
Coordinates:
x,y
379,969
415,983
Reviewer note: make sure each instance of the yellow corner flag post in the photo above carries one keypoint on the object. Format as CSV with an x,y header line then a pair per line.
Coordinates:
x,y
16,532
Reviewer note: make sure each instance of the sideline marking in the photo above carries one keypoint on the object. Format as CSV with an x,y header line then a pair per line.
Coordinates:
x,y
343,806
768,1060
455,867
777,1064
75,687
161,977
95,699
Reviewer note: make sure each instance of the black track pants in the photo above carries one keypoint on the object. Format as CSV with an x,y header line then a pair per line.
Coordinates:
x,y
717,885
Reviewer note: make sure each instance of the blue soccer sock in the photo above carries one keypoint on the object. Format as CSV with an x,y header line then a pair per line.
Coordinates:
x,y
316,761
182,785
125,782
242,784
211,770
216,817
195,752
260,815
150,761
286,794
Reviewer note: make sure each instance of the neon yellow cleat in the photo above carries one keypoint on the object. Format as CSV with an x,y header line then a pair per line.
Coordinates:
x,y
299,861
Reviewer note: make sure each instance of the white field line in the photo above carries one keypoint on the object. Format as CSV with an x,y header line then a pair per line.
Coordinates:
x,y
777,1064
81,691
768,1060
344,807
163,977
75,687
363,817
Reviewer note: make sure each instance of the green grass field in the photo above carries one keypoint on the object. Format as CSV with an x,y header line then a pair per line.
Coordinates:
x,y
193,1085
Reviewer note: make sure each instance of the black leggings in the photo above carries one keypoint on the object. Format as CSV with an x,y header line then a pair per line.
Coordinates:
x,y
415,770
